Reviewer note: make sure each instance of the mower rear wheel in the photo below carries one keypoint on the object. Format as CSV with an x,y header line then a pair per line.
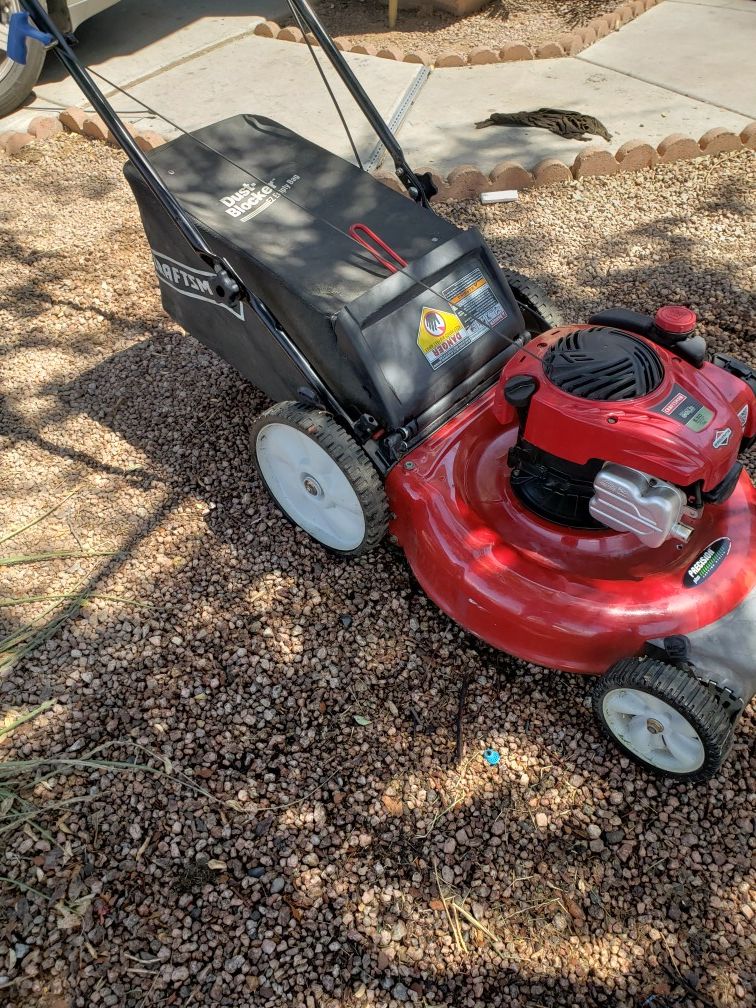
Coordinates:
x,y
664,718
320,478
538,310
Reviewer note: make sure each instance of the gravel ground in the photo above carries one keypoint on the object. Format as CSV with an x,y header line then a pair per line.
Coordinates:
x,y
502,23
279,851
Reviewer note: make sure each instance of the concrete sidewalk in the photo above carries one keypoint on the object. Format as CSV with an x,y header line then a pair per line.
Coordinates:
x,y
275,79
704,49
630,109
684,66
137,40
199,61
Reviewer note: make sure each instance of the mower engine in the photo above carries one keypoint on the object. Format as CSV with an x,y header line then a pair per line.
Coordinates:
x,y
589,512
619,430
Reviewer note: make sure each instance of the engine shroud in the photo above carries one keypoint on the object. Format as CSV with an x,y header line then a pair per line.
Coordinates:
x,y
604,395
603,364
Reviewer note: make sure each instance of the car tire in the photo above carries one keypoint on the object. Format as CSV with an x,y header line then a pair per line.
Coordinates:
x,y
16,81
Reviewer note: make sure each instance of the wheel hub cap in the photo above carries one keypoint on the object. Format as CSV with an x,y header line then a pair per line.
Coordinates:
x,y
312,486
654,730
309,486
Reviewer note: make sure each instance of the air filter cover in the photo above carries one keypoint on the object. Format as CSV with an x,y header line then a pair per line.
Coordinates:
x,y
603,364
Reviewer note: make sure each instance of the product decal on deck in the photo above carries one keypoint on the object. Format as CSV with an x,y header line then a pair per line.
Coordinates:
x,y
711,559
191,282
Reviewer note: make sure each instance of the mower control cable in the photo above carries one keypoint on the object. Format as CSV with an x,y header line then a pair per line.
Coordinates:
x,y
329,89
420,187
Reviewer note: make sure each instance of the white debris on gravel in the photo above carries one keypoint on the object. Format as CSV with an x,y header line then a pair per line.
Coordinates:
x,y
279,853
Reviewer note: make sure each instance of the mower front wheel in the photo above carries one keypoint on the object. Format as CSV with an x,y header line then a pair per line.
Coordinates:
x,y
538,310
320,478
664,718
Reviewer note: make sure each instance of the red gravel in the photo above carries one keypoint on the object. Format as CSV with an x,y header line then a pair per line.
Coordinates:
x,y
280,852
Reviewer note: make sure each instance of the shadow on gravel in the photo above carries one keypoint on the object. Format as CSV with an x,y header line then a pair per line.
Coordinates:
x,y
226,678
307,850
246,672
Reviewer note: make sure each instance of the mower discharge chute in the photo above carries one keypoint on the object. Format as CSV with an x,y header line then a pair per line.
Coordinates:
x,y
571,494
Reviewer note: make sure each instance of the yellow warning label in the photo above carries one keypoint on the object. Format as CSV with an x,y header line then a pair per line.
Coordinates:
x,y
440,336
469,291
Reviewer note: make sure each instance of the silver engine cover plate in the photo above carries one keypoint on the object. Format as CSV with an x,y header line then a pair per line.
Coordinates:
x,y
630,501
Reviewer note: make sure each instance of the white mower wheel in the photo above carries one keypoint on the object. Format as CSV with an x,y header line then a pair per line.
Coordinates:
x,y
320,478
655,732
666,719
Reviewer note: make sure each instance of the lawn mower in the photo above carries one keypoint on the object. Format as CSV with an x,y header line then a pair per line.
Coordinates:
x,y
571,494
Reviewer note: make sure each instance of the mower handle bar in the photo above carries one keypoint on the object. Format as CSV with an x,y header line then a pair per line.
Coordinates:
x,y
228,285
419,187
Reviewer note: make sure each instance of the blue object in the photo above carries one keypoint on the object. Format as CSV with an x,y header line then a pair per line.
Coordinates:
x,y
491,757
20,29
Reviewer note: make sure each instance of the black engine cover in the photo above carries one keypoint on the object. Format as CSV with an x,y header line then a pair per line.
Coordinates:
x,y
603,364
553,488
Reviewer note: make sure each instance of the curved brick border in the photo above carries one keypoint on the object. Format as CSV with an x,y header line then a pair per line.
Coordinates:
x,y
568,44
468,181
75,120
462,182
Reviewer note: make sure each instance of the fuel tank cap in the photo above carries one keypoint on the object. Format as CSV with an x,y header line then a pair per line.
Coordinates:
x,y
677,320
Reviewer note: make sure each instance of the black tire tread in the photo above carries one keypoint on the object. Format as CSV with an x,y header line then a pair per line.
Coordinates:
x,y
347,454
22,80
530,294
701,704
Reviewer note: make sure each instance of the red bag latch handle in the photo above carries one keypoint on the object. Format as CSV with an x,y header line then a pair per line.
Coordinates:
x,y
363,235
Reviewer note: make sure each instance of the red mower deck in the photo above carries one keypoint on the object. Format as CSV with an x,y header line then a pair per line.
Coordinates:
x,y
545,593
